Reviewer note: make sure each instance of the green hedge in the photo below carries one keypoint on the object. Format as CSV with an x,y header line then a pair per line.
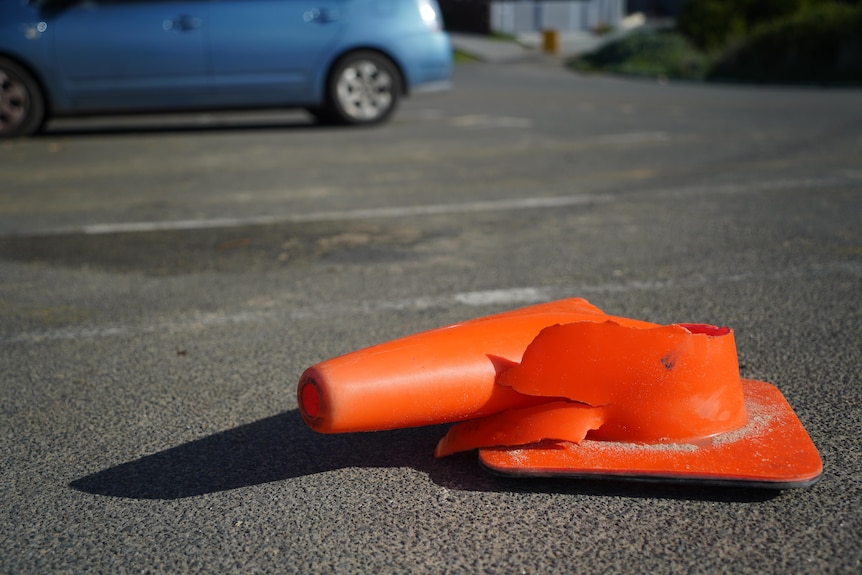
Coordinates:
x,y
712,24
642,54
762,41
820,44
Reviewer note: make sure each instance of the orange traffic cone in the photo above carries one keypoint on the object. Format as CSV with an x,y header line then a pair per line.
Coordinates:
x,y
564,389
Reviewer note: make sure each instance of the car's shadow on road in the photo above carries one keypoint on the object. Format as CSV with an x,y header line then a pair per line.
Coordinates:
x,y
282,447
132,126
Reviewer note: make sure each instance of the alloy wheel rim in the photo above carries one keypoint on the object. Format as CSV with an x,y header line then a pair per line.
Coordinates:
x,y
14,102
364,90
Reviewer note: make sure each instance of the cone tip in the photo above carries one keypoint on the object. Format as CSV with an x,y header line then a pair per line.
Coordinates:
x,y
308,398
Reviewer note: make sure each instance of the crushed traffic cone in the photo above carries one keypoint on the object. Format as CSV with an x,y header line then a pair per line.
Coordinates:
x,y
564,389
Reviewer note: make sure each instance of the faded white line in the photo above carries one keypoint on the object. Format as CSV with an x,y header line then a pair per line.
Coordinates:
x,y
632,138
209,320
483,121
516,296
342,215
514,204
748,187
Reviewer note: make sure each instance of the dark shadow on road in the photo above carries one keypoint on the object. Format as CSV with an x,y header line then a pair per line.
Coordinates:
x,y
272,449
282,447
167,124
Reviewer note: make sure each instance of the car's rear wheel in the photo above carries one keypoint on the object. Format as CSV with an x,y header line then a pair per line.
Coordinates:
x,y
22,106
364,88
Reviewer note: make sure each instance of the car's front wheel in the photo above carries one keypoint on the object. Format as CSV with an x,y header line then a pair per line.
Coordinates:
x,y
22,106
364,88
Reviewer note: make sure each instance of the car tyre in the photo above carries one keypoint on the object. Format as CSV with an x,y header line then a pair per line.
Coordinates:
x,y
364,88
22,105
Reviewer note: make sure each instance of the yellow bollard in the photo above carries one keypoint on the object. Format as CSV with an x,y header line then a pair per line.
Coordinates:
x,y
551,42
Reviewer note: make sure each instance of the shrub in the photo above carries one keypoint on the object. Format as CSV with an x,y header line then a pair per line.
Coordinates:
x,y
820,44
642,54
712,24
708,24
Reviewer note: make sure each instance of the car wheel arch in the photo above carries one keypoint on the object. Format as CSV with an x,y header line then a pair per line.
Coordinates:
x,y
47,101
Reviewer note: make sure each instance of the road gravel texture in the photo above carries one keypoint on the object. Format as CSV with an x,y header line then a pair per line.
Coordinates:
x,y
164,281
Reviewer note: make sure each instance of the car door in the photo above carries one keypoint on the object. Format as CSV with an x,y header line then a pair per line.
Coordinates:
x,y
119,54
268,52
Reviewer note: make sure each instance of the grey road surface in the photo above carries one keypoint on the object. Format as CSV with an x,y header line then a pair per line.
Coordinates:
x,y
165,280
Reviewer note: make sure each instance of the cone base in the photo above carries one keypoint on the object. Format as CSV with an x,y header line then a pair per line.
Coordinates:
x,y
773,451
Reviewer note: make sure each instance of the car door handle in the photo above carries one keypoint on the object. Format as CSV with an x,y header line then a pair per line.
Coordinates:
x,y
320,15
182,23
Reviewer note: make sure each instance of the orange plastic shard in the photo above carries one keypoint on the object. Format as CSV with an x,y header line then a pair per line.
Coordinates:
x,y
565,389
562,420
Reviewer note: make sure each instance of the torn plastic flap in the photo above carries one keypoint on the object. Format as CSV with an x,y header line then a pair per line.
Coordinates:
x,y
652,384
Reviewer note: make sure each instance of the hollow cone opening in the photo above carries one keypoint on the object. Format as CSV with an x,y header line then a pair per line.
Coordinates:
x,y
309,400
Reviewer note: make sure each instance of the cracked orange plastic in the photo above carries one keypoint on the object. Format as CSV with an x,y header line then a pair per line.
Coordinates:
x,y
622,383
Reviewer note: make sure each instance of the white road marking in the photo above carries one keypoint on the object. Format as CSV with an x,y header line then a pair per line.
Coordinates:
x,y
632,138
196,322
514,204
344,215
483,121
515,296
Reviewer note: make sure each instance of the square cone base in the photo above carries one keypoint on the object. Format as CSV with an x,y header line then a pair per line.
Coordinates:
x,y
773,450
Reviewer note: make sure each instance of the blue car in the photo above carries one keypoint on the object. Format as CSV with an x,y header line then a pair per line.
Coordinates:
x,y
346,61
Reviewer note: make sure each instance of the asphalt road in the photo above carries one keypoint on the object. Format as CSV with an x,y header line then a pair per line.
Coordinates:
x,y
164,281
